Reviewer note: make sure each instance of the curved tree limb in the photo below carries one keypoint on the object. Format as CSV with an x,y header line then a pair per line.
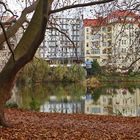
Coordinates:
x,y
80,5
13,29
8,44
6,9
55,28
28,44
74,46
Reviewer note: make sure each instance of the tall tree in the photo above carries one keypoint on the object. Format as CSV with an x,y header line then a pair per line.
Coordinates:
x,y
31,40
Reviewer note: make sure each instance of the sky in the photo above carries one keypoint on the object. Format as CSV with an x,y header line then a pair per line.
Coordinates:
x,y
18,6
15,5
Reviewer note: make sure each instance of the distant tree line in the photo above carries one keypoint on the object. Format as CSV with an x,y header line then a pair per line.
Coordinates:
x,y
39,71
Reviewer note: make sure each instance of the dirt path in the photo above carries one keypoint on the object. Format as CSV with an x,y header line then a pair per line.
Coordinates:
x,y
46,126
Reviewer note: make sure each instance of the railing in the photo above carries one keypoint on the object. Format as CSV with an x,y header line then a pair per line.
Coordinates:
x,y
67,65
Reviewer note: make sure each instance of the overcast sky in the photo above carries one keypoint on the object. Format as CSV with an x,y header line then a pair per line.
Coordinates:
x,y
15,5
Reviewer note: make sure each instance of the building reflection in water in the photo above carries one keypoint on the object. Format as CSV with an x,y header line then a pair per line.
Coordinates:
x,y
111,102
118,102
64,105
102,101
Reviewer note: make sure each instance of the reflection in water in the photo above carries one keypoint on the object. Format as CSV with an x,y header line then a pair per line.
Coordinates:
x,y
65,105
74,98
114,102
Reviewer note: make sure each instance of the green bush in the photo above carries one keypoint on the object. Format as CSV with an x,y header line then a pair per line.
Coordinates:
x,y
34,105
11,105
75,73
38,70
96,68
58,73
34,71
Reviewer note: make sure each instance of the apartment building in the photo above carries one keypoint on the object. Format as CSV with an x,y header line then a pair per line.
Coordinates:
x,y
62,41
112,39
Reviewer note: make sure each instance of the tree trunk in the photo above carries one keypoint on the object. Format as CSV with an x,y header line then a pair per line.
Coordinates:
x,y
24,52
2,118
4,96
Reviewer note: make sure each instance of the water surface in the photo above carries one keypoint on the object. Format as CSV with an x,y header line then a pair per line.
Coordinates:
x,y
74,98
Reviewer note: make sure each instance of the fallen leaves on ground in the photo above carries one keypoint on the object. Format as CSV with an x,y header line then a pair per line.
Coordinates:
x,y
27,125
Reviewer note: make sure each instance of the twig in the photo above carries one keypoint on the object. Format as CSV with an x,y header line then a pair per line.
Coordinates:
x,y
6,39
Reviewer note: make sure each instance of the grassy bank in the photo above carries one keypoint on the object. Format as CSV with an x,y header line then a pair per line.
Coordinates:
x,y
116,79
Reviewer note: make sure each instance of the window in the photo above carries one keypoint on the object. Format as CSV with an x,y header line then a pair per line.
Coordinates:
x,y
87,37
87,45
96,37
95,51
104,29
95,110
87,52
104,44
104,51
109,43
104,99
104,37
109,35
96,43
123,42
123,50
109,29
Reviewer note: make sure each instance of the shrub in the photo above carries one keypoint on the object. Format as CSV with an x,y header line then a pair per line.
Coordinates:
x,y
75,73
34,71
38,70
11,105
58,73
96,68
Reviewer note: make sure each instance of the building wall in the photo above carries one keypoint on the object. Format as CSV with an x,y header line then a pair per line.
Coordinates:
x,y
56,46
114,42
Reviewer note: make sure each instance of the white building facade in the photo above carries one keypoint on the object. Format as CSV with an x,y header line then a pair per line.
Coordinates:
x,y
62,41
113,39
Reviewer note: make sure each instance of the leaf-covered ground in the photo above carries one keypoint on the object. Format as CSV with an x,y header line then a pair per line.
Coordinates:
x,y
46,126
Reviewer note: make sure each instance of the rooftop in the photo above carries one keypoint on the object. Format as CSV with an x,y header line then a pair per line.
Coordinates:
x,y
118,15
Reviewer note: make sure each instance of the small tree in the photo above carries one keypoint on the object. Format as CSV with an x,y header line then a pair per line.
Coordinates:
x,y
96,68
75,73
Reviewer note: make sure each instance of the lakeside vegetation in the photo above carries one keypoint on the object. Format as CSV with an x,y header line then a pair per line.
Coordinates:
x,y
39,71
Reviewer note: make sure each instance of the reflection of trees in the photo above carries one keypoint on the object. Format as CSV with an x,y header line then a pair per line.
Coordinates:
x,y
67,97
36,95
96,93
33,95
107,90
130,86
73,90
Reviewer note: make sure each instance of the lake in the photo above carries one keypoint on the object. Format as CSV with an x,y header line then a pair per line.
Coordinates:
x,y
122,99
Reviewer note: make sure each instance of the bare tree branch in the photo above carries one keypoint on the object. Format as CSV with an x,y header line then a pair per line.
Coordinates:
x,y
80,5
6,9
8,44
13,29
55,28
